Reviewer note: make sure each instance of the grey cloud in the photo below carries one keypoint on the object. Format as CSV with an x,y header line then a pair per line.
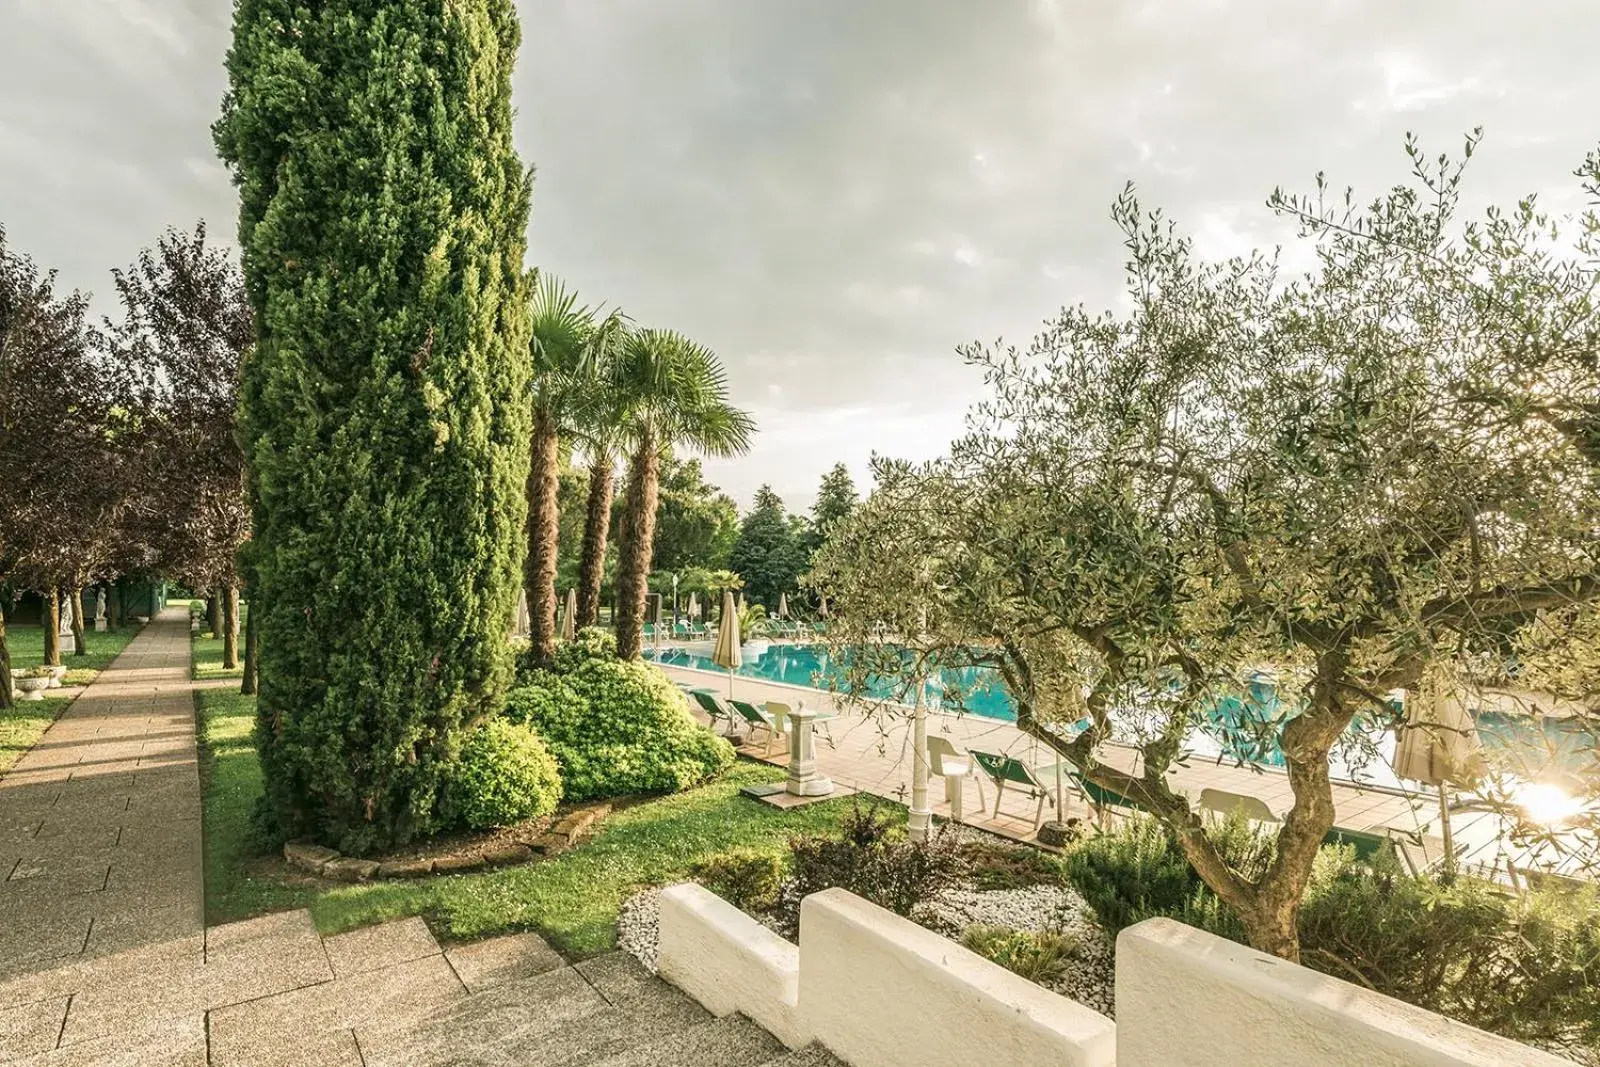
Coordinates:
x,y
834,195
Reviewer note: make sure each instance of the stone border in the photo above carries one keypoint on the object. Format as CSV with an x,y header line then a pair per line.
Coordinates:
x,y
325,862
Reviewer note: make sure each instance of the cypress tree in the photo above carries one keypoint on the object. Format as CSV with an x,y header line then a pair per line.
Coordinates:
x,y
384,413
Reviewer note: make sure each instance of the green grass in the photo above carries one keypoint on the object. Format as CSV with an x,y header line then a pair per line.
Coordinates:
x,y
572,900
206,651
22,726
27,650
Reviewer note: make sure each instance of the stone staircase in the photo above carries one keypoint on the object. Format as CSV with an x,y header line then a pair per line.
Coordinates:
x,y
271,992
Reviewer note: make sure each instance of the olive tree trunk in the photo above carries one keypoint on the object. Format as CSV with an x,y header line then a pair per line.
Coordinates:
x,y
52,627
252,649
79,646
8,698
230,627
638,533
596,530
544,537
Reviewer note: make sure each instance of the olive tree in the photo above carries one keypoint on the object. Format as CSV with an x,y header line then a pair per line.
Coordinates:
x,y
1241,468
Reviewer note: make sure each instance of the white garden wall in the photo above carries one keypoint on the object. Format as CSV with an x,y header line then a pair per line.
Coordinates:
x,y
880,991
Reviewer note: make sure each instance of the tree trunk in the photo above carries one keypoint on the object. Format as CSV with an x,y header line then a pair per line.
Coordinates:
x,y
544,535
596,529
638,532
252,652
230,628
79,648
113,606
52,627
214,615
8,698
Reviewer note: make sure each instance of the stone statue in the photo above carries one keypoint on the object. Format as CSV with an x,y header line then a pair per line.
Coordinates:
x,y
66,617
100,608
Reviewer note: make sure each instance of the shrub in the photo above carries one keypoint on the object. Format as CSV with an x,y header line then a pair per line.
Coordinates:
x,y
745,878
618,727
1525,967
1041,957
995,865
874,859
505,775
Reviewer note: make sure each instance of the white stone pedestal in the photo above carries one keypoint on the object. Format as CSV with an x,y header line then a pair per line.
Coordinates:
x,y
804,778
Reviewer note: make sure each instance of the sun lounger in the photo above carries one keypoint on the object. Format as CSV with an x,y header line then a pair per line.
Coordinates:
x,y
757,719
819,720
713,706
1007,770
1225,803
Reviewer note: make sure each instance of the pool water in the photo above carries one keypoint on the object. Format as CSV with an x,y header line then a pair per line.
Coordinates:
x,y
1239,728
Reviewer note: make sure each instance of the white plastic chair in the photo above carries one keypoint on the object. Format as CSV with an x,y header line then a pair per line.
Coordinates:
x,y
955,767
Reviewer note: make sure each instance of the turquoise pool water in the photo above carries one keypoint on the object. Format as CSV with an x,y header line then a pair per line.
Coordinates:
x,y
1238,728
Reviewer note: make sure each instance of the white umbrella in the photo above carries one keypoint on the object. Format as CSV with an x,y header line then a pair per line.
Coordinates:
x,y
521,624
727,655
569,616
694,606
822,609
741,604
783,605
1439,744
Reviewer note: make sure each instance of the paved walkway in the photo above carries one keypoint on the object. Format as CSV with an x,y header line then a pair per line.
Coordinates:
x,y
100,839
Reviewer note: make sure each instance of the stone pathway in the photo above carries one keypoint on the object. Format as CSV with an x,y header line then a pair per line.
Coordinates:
x,y
100,838
105,959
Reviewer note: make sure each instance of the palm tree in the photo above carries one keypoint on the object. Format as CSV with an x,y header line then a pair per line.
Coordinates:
x,y
674,395
602,440
569,349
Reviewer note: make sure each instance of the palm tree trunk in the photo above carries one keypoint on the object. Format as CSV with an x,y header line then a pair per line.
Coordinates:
x,y
544,535
252,654
52,627
639,531
230,627
79,648
8,698
596,529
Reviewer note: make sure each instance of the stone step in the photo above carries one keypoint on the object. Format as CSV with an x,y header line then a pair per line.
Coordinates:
x,y
731,1042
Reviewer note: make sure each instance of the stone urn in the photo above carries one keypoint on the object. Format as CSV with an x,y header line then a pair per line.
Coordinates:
x,y
31,686
56,674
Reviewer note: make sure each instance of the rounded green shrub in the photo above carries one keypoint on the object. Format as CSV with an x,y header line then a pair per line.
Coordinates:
x,y
617,727
748,879
505,775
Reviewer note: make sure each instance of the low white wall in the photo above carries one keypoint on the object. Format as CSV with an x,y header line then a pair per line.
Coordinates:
x,y
881,991
729,962
1186,998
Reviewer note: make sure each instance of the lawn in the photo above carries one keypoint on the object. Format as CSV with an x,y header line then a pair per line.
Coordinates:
x,y
22,726
572,900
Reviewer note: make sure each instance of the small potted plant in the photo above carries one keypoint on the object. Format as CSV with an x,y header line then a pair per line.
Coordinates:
x,y
31,682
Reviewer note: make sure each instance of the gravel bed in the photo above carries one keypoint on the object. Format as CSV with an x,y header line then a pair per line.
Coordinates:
x,y
1036,909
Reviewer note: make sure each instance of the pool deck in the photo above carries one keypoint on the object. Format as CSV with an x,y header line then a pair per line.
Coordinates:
x,y
872,754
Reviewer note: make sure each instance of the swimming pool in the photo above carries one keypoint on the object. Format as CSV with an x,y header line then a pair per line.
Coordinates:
x,y
1233,731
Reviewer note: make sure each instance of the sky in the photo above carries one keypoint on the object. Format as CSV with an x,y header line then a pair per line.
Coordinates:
x,y
834,195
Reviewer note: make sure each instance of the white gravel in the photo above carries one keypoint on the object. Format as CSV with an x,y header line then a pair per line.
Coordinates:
x,y
1036,909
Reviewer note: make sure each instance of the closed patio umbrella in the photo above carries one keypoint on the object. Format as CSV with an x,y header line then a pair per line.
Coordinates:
x,y
694,605
1439,744
727,655
569,616
783,605
822,609
741,604
522,623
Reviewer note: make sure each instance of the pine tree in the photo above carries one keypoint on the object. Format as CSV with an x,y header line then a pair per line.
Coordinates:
x,y
385,412
768,553
836,499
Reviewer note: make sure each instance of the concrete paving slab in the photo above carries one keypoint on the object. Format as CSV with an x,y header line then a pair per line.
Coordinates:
x,y
498,960
384,945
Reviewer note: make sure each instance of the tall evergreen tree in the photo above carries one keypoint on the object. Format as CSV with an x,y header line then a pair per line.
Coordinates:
x,y
769,554
836,499
385,411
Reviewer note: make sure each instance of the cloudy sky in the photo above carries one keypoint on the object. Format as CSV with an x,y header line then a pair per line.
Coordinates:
x,y
834,194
